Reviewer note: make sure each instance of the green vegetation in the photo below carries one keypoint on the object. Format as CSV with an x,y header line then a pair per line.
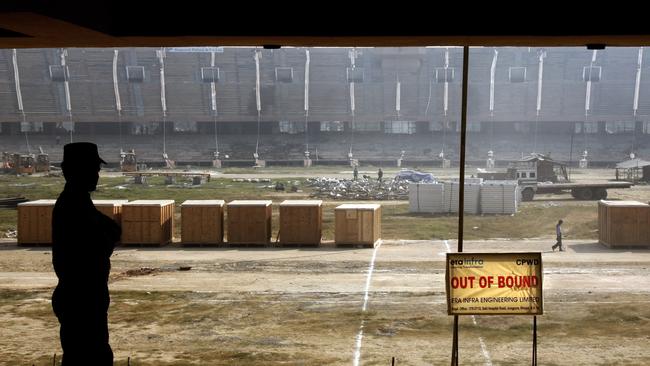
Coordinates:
x,y
534,219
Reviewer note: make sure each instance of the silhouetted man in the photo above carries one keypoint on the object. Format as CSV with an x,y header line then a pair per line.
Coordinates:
x,y
82,243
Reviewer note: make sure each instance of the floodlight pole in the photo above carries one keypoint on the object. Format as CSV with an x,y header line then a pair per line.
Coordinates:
x,y
461,190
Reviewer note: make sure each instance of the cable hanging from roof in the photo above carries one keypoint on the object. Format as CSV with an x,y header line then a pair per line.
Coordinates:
x,y
353,55
118,103
540,79
66,87
306,104
213,100
163,99
445,106
586,122
19,97
258,102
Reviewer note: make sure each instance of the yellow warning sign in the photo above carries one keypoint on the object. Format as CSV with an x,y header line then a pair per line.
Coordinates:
x,y
494,283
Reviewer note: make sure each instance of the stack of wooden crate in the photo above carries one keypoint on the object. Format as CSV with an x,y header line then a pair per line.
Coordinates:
x,y
148,222
202,222
357,224
249,222
111,208
623,223
301,222
35,222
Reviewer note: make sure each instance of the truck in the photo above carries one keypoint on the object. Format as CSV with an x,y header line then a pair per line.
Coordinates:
x,y
538,174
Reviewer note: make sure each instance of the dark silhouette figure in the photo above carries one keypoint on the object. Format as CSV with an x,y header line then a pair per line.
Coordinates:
x,y
83,240
355,173
380,175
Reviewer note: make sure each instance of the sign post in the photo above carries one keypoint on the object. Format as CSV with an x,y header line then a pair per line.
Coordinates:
x,y
494,284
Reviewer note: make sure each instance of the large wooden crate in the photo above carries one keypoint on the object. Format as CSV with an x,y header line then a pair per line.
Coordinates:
x,y
249,222
357,224
301,222
148,222
35,222
202,222
623,223
111,208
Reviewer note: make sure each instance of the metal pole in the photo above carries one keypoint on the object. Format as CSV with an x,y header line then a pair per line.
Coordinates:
x,y
461,191
454,344
534,363
573,132
463,136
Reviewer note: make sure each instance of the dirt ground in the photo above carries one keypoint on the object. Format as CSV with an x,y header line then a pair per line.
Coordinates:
x,y
272,306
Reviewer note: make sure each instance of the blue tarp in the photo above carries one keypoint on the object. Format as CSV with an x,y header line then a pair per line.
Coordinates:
x,y
415,176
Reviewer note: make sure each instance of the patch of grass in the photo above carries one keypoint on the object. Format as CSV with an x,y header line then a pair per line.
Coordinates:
x,y
8,296
535,219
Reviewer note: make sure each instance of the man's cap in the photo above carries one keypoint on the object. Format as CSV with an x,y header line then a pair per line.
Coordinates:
x,y
81,153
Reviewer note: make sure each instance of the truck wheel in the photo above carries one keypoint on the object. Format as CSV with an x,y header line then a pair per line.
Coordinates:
x,y
601,194
527,194
585,194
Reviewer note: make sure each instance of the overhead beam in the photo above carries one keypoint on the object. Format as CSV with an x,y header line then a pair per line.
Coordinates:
x,y
43,29
44,32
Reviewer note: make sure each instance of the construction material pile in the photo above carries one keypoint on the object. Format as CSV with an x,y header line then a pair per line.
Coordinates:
x,y
360,189
11,202
489,197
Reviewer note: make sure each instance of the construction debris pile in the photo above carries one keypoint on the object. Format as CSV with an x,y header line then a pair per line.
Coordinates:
x,y
252,180
360,189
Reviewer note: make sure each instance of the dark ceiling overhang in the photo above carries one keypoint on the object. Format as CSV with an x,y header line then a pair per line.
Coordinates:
x,y
119,23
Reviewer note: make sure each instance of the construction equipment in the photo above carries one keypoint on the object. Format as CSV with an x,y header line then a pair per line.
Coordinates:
x,y
128,161
538,173
169,164
7,162
42,161
23,163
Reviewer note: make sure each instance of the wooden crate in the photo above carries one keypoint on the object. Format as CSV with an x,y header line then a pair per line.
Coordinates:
x,y
301,222
249,222
111,208
623,223
357,224
148,222
35,222
202,222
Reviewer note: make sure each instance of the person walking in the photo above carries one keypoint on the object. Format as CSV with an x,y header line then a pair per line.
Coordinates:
x,y
380,175
355,173
83,240
558,233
